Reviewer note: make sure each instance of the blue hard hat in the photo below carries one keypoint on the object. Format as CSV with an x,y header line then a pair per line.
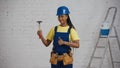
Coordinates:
x,y
62,10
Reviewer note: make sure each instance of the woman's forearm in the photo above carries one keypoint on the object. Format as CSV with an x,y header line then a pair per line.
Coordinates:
x,y
74,44
45,42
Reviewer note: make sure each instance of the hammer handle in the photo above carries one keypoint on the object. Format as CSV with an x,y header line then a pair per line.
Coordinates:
x,y
39,27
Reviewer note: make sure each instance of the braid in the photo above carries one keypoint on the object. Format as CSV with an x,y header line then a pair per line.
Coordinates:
x,y
69,22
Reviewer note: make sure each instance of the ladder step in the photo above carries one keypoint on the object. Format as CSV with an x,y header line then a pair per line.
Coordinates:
x,y
103,37
98,57
100,46
116,62
112,36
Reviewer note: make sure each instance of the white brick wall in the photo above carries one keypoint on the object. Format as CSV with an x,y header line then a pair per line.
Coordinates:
x,y
19,43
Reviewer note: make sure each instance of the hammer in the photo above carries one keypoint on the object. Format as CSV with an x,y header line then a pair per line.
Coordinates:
x,y
39,24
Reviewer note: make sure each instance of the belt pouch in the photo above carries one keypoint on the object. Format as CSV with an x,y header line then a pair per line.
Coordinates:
x,y
53,58
68,58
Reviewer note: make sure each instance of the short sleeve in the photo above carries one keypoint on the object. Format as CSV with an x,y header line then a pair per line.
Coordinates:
x,y
74,35
50,35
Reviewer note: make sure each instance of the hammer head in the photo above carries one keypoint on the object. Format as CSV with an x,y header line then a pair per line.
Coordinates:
x,y
39,22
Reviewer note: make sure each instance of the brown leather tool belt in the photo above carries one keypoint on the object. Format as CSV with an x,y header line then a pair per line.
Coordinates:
x,y
67,58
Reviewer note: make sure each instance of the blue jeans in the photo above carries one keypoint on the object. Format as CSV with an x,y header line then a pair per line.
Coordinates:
x,y
61,65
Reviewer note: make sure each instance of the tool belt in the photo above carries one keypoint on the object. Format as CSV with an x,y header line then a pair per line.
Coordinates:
x,y
67,58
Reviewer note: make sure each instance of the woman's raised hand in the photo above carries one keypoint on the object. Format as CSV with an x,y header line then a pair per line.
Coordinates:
x,y
39,33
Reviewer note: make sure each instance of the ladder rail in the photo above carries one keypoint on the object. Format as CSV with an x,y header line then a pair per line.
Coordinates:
x,y
114,16
117,37
93,53
111,57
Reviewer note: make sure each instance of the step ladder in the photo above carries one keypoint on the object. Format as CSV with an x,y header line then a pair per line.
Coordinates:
x,y
102,44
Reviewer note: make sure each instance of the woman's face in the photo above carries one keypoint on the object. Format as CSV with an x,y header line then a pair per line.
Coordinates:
x,y
63,19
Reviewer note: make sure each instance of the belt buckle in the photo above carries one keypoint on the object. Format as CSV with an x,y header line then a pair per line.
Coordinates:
x,y
60,57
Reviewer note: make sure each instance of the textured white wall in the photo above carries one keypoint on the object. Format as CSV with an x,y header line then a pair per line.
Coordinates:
x,y
19,43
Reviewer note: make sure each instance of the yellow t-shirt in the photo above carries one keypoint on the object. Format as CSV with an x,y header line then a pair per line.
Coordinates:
x,y
73,34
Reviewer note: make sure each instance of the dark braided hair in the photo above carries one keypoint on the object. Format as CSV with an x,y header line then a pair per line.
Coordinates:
x,y
69,22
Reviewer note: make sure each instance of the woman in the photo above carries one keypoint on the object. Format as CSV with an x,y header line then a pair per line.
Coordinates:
x,y
64,36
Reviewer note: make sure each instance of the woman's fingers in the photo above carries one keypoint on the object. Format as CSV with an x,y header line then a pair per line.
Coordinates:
x,y
39,32
60,41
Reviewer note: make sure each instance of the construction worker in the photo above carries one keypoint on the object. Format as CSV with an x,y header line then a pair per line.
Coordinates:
x,y
64,36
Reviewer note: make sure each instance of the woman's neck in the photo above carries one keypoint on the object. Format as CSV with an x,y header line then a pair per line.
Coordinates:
x,y
64,25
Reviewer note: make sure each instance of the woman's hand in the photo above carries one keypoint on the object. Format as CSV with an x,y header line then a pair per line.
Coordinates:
x,y
60,41
74,43
39,33
46,42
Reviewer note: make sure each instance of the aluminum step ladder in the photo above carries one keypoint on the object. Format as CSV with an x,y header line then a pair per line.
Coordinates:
x,y
102,44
